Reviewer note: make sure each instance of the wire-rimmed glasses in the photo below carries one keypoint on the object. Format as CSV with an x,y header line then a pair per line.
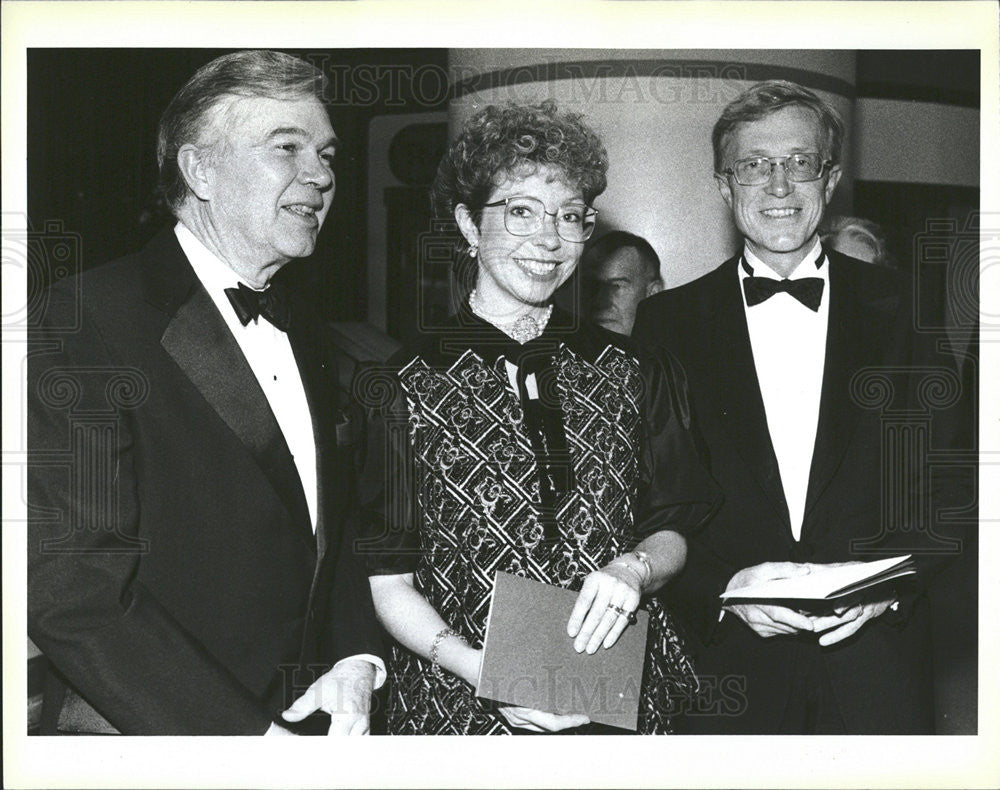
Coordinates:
x,y
524,215
756,170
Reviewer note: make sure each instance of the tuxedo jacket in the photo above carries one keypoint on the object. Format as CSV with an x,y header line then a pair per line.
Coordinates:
x,y
174,577
866,484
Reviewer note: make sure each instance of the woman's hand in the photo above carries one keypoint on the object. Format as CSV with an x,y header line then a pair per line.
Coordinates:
x,y
540,721
594,620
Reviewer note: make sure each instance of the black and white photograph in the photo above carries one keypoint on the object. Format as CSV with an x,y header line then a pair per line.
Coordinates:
x,y
439,369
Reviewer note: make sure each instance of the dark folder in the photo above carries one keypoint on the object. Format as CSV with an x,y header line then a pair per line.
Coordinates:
x,y
529,660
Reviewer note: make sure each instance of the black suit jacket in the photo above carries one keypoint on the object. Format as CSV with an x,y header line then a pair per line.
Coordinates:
x,y
173,576
866,486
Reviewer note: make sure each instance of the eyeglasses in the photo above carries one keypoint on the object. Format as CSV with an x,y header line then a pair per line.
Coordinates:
x,y
757,170
524,216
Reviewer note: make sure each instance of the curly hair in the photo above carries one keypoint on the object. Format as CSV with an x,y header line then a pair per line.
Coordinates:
x,y
766,98
501,140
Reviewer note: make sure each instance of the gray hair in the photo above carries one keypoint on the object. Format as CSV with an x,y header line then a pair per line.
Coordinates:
x,y
864,229
250,73
766,98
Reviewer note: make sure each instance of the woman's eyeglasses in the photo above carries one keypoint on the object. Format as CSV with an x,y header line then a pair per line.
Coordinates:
x,y
523,216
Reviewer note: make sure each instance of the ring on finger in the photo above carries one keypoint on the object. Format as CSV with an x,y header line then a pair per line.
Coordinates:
x,y
623,612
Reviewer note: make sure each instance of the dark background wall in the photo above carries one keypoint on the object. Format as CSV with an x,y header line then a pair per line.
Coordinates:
x,y
917,118
92,120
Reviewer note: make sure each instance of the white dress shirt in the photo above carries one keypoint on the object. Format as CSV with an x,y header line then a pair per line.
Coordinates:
x,y
272,361
789,351
270,357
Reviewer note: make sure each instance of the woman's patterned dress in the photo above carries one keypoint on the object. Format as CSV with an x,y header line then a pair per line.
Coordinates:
x,y
469,475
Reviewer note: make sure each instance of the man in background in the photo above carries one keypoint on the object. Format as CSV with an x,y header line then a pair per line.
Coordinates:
x,y
619,271
858,238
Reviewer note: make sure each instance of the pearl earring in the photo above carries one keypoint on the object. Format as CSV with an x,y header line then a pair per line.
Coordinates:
x,y
473,250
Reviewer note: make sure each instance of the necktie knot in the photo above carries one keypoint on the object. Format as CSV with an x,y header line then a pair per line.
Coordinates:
x,y
271,303
808,290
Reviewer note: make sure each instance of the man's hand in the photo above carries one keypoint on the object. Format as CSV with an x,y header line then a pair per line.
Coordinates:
x,y
842,624
836,627
345,693
540,721
764,619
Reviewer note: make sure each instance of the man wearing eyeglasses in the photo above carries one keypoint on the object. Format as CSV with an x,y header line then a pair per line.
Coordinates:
x,y
772,342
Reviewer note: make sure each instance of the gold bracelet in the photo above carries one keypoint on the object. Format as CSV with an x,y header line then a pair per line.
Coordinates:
x,y
643,557
436,644
647,568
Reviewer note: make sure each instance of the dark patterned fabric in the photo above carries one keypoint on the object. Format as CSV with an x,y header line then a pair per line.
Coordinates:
x,y
544,489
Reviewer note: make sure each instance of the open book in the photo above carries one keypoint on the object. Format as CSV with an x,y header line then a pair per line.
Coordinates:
x,y
828,584
529,660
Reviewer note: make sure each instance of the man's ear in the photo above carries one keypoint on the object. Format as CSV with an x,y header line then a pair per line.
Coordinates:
x,y
654,287
722,182
466,224
831,182
196,170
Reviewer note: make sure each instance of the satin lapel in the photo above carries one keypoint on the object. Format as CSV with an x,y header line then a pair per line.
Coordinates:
x,y
305,338
736,390
856,336
203,347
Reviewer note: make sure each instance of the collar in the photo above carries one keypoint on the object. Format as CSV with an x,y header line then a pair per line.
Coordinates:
x,y
215,274
464,329
815,256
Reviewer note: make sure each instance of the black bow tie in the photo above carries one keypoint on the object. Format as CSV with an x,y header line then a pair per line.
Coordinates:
x,y
272,303
808,290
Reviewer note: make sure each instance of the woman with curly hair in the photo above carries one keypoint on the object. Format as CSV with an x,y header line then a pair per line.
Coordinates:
x,y
521,440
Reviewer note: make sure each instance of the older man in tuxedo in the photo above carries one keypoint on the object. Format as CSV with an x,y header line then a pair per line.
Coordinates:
x,y
777,344
190,569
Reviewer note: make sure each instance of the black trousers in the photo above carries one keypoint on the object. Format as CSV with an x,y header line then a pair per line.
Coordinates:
x,y
812,706
806,705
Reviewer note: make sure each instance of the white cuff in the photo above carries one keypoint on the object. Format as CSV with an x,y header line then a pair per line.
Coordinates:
x,y
375,661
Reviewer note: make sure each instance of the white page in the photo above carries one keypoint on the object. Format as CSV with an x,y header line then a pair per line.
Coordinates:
x,y
820,584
